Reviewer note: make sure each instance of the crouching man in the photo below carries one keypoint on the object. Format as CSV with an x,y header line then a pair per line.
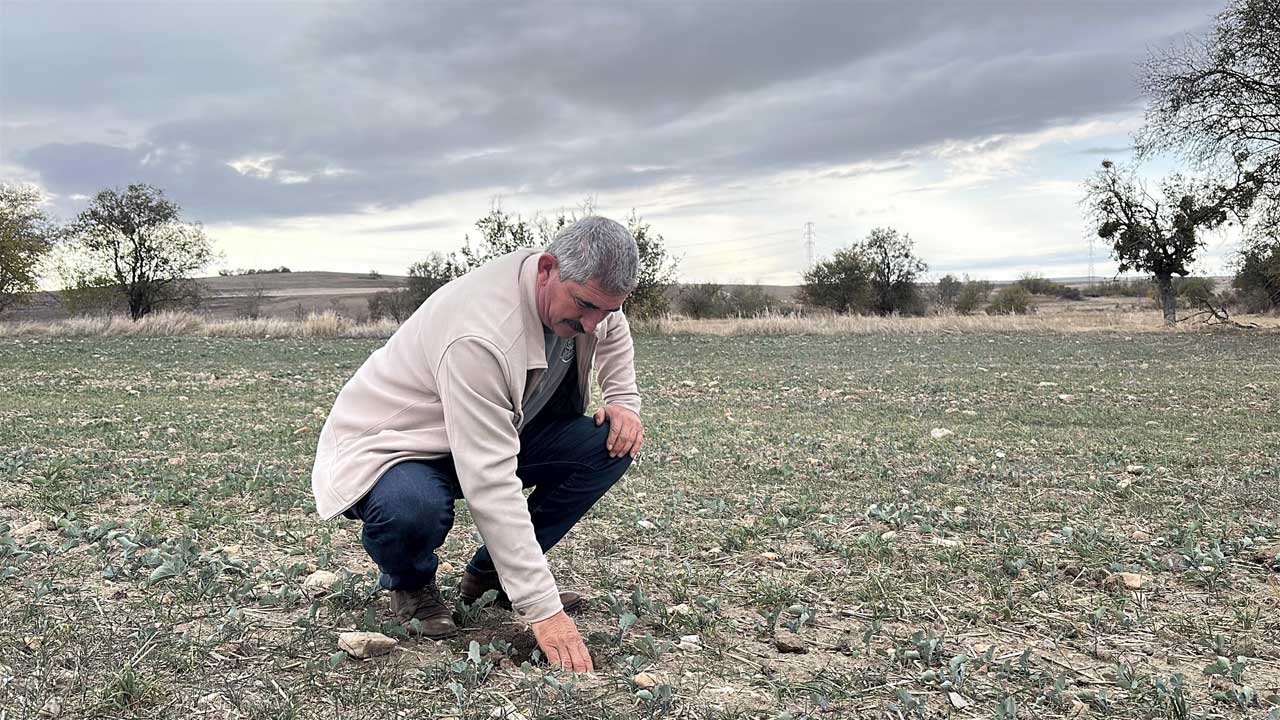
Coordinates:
x,y
479,394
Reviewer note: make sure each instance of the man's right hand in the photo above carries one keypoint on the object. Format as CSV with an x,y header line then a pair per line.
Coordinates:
x,y
560,642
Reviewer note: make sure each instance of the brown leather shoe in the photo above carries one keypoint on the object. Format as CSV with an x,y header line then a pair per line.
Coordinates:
x,y
427,607
472,587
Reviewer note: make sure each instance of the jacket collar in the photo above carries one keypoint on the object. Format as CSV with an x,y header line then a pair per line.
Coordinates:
x,y
535,344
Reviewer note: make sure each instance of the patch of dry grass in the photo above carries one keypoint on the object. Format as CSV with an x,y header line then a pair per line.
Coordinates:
x,y
182,324
330,324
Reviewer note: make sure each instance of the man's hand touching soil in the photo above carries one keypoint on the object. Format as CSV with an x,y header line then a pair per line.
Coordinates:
x,y
560,642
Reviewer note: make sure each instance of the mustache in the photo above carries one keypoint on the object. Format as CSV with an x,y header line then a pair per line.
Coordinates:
x,y
575,325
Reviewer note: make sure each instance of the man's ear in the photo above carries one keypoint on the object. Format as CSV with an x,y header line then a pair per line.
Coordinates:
x,y
546,263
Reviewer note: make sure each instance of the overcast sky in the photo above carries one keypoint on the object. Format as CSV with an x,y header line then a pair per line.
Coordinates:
x,y
334,136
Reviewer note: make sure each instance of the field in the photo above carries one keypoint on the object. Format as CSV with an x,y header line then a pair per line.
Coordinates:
x,y
989,524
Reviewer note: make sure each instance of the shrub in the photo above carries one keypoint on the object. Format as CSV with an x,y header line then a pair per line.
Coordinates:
x,y
704,300
1037,285
1011,300
1194,291
971,296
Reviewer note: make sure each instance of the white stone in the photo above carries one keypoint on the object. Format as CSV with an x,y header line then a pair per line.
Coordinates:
x,y
27,529
363,645
940,433
320,581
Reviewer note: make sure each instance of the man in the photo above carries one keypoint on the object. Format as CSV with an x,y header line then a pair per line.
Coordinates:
x,y
480,393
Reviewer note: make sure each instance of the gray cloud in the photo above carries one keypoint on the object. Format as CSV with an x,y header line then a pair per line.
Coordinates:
x,y
384,105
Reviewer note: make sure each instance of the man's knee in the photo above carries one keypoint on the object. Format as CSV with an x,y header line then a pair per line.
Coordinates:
x,y
404,503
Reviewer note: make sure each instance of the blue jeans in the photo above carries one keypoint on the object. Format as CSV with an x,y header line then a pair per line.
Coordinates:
x,y
409,511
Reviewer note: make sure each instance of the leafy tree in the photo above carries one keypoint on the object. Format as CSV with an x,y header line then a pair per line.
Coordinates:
x,y
429,275
972,295
656,274
26,236
1257,275
892,269
1216,101
1160,234
137,239
842,284
948,290
501,233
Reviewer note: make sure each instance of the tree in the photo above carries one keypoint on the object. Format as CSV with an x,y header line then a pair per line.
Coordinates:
x,y
656,273
842,284
1160,234
429,275
1216,101
1257,275
948,290
137,239
26,236
502,232
892,269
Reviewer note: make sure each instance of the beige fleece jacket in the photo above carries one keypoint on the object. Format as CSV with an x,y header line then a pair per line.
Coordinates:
x,y
452,381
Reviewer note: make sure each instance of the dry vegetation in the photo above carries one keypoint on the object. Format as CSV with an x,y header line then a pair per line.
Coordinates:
x,y
330,324
1003,522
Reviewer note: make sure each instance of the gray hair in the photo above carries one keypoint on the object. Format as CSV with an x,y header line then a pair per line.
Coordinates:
x,y
600,249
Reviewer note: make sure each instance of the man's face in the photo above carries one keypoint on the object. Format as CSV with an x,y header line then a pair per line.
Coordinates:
x,y
571,308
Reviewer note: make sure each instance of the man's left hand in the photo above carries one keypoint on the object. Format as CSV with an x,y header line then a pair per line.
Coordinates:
x,y
626,433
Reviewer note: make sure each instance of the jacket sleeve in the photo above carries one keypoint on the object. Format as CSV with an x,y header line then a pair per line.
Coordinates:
x,y
479,423
615,364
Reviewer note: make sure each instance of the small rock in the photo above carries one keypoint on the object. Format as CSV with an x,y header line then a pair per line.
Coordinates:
x,y
681,609
1078,709
1135,469
364,645
1046,384
320,581
1066,397
788,642
645,681
1128,580
646,525
506,712
947,542
688,383
765,558
51,709
960,510
1140,536
27,529
691,643
445,567
940,433
888,536
957,700
1124,484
